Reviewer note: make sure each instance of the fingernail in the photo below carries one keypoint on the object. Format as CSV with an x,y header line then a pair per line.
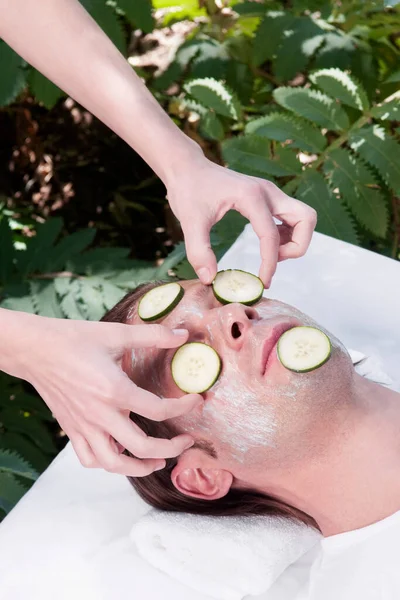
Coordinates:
x,y
180,332
160,466
204,274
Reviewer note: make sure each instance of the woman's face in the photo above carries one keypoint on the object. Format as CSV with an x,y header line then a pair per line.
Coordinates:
x,y
255,407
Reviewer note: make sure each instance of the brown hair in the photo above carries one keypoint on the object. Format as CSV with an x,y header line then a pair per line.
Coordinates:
x,y
158,489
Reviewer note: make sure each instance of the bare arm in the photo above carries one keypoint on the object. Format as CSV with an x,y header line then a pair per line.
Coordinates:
x,y
63,42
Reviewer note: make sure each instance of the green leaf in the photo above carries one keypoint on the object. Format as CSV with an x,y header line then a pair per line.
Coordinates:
x,y
251,155
269,35
313,105
40,247
227,230
175,257
283,127
11,491
380,150
139,13
299,42
13,76
62,285
106,18
211,127
44,298
338,84
394,77
7,252
141,272
43,89
70,306
11,462
29,403
215,95
358,187
333,219
30,426
17,297
111,294
27,449
387,110
104,261
70,246
92,299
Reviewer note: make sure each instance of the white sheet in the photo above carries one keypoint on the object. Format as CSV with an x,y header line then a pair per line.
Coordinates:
x,y
69,536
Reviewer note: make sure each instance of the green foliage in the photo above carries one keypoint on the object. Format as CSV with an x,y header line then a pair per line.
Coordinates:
x,y
13,77
282,127
377,147
215,95
340,85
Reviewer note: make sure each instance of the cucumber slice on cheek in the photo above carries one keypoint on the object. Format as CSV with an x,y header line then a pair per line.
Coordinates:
x,y
303,349
195,367
234,285
159,301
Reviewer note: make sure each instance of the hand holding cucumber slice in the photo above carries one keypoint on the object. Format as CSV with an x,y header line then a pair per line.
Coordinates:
x,y
234,285
159,301
303,349
195,367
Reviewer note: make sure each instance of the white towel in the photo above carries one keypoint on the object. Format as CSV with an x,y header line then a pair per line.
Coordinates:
x,y
231,557
224,557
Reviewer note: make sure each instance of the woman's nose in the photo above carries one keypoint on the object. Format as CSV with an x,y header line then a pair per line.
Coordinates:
x,y
236,322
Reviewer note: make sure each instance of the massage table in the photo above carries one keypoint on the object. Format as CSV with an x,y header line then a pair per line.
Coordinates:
x,y
68,537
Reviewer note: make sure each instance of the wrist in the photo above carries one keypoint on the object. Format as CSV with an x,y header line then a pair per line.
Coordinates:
x,y
184,158
18,333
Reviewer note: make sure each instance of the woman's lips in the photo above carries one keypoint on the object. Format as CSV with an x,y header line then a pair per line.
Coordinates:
x,y
271,341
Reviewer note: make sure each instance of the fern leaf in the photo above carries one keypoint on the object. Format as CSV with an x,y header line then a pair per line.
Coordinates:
x,y
13,77
215,95
11,491
70,304
314,106
193,106
283,127
333,218
251,155
387,110
269,35
139,13
44,298
111,294
211,127
175,257
92,299
30,426
17,297
40,247
140,272
62,286
70,246
44,90
11,462
380,150
338,84
106,18
299,42
354,180
7,252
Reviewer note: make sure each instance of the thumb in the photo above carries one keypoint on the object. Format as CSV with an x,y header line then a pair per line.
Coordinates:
x,y
153,336
199,252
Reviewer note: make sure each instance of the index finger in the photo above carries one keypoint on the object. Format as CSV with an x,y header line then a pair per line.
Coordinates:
x,y
256,210
302,230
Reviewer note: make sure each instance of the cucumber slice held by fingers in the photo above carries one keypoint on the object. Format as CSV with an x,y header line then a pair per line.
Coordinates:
x,y
160,301
195,367
303,349
234,285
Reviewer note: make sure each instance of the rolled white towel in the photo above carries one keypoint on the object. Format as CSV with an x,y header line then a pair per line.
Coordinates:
x,y
224,557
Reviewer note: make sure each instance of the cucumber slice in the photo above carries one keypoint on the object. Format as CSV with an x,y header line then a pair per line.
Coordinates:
x,y
234,285
195,367
160,301
303,349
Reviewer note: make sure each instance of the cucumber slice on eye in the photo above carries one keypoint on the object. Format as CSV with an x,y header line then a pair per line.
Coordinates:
x,y
195,367
160,301
303,349
234,285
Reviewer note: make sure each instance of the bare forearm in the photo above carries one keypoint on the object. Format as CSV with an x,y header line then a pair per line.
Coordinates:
x,y
61,40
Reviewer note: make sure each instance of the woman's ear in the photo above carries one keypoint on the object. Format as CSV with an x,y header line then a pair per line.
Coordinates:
x,y
199,479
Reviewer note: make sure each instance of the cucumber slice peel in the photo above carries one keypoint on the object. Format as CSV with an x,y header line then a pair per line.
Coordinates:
x,y
303,349
235,285
195,367
159,301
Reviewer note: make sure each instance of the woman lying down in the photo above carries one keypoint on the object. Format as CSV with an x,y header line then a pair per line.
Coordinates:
x,y
287,427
